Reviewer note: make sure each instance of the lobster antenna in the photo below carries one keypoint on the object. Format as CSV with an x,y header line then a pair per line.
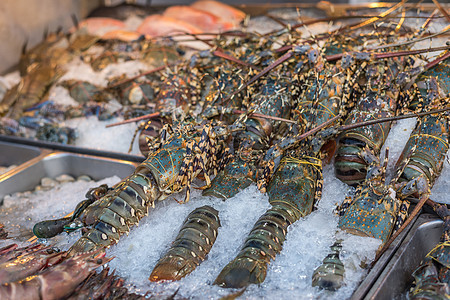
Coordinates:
x,y
200,40
75,21
445,30
220,53
278,20
236,111
379,55
380,16
437,60
421,30
351,26
442,10
389,119
428,20
259,75
401,21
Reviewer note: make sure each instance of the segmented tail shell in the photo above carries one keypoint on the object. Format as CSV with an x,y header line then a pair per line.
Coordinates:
x,y
330,274
114,214
264,242
351,162
194,241
292,191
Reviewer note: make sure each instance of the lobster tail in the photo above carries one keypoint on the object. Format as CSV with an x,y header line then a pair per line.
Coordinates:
x,y
351,160
192,244
264,242
330,274
114,214
350,167
292,191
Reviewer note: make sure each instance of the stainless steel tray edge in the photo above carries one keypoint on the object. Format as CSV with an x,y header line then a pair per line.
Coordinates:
x,y
396,276
373,275
70,148
51,164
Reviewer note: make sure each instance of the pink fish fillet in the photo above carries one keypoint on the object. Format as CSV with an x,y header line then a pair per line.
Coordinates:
x,y
158,25
100,26
122,35
204,20
221,10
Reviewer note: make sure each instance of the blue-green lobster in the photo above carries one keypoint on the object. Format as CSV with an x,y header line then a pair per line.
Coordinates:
x,y
182,153
194,241
292,175
275,98
378,210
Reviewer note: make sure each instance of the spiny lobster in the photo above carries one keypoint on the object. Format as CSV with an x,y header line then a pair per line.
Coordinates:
x,y
183,152
381,84
278,95
296,182
378,210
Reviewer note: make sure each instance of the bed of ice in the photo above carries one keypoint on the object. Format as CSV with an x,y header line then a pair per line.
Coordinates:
x,y
20,211
289,276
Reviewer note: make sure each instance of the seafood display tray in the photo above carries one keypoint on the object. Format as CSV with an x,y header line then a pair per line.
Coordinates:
x,y
423,236
34,163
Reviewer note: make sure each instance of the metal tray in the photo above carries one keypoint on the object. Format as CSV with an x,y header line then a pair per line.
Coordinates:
x,y
52,164
366,286
13,154
395,280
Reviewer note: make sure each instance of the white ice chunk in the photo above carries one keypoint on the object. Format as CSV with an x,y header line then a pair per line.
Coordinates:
x,y
93,133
